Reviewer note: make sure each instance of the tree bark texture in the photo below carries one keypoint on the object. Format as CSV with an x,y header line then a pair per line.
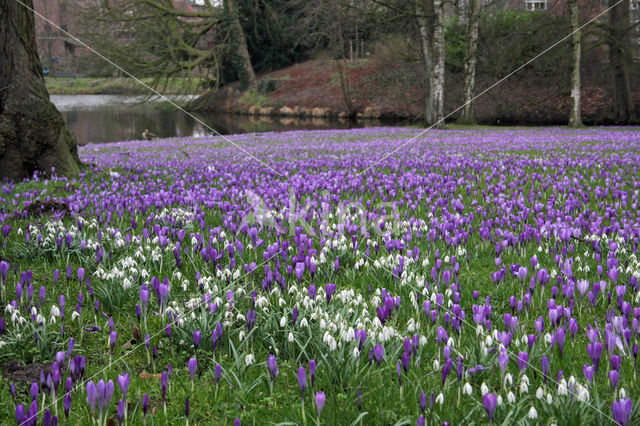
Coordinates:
x,y
575,119
620,59
470,60
425,34
33,135
238,33
438,63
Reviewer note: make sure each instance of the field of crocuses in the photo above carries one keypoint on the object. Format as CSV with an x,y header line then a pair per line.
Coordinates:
x,y
470,277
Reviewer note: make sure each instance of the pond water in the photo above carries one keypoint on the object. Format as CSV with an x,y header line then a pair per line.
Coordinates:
x,y
110,118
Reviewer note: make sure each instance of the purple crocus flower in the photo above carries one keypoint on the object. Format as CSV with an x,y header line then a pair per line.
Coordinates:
x,y
621,411
218,373
92,395
378,353
588,371
272,366
67,404
312,371
614,377
145,404
197,335
320,400
123,382
120,412
192,366
164,381
330,289
489,400
302,379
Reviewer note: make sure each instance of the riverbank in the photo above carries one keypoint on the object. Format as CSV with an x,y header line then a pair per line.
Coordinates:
x,y
379,89
118,86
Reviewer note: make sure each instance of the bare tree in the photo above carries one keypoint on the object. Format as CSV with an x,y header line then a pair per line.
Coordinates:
x,y
472,15
429,15
33,135
575,119
163,38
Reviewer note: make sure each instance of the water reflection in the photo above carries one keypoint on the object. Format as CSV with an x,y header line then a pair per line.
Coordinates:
x,y
109,118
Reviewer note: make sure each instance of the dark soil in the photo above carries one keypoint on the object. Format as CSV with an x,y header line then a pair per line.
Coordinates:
x,y
16,371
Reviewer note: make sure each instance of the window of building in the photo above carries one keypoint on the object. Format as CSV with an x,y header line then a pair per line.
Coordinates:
x,y
535,5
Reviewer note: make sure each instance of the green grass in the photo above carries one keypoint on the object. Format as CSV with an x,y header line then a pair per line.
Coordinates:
x,y
119,86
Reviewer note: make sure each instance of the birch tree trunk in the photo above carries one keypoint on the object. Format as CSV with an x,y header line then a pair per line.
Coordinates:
x,y
470,61
438,62
425,30
575,119
33,135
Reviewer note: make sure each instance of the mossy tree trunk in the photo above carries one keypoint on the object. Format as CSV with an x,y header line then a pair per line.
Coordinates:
x,y
33,135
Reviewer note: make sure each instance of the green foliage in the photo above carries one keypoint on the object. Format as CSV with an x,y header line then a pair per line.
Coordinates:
x,y
455,45
509,39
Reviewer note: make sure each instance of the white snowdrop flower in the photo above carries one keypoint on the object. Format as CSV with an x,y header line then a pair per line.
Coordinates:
x,y
39,319
240,317
511,398
524,388
562,388
332,343
323,324
440,399
446,259
451,342
241,335
356,353
281,302
623,393
547,338
193,315
52,320
508,380
467,389
583,393
249,359
483,350
291,339
499,400
539,393
283,321
525,379
75,315
484,389
532,414
34,311
436,364
488,341
572,381
423,340
350,334
479,330
126,284
55,311
304,323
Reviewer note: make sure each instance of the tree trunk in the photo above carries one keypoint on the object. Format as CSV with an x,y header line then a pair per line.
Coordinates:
x,y
470,61
33,135
425,31
575,119
438,63
238,33
620,58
